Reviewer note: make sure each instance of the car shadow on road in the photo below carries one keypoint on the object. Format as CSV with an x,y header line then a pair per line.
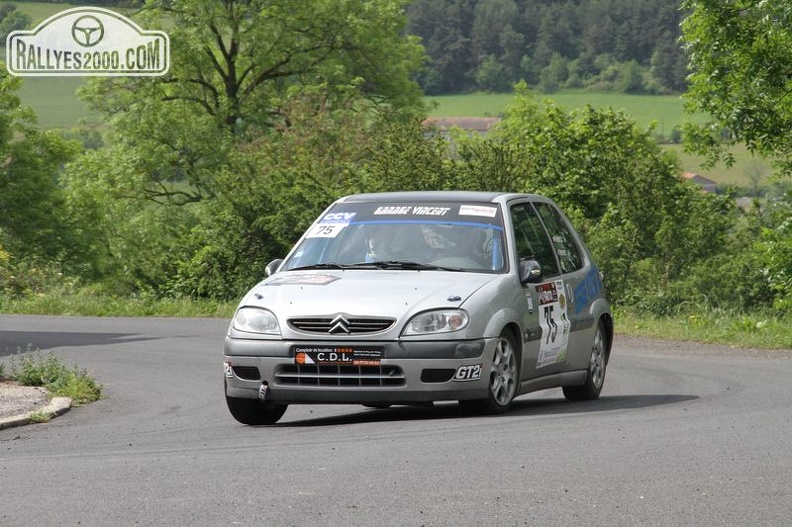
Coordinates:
x,y
14,342
519,408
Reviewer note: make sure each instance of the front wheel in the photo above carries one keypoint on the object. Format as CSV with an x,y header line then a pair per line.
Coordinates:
x,y
595,377
254,412
504,377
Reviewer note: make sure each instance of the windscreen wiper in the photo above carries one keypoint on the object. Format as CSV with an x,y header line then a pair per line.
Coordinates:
x,y
379,264
412,266
325,265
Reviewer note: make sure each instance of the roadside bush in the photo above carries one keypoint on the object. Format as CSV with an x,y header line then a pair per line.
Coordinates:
x,y
60,380
20,278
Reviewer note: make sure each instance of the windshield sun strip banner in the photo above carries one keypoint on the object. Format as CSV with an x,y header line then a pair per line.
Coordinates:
x,y
425,222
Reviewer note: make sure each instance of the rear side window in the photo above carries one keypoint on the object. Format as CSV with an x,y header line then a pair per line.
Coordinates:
x,y
563,240
531,239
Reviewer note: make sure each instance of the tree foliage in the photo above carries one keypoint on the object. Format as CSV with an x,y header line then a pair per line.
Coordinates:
x,y
465,39
40,239
741,59
201,166
210,172
11,19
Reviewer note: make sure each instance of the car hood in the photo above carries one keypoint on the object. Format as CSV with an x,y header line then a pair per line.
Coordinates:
x,y
363,292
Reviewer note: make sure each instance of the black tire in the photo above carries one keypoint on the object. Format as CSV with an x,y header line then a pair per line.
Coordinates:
x,y
595,377
254,412
504,379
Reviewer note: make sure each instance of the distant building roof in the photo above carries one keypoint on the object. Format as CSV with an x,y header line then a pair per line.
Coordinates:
x,y
473,124
706,184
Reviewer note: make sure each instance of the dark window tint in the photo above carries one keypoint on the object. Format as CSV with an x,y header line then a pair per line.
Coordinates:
x,y
531,239
563,240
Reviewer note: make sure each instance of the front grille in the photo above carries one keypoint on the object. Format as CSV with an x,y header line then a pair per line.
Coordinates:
x,y
339,324
346,376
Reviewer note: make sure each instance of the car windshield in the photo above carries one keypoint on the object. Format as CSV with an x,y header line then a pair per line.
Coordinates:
x,y
441,236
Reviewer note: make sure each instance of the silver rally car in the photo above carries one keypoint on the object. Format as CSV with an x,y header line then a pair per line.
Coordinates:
x,y
415,297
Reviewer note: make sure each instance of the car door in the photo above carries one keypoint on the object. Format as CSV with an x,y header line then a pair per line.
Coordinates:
x,y
546,325
573,271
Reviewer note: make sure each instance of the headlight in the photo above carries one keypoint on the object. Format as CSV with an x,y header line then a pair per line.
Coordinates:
x,y
437,322
256,320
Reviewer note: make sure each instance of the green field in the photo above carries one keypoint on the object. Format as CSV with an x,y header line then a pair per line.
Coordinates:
x,y
56,105
665,112
52,98
40,11
55,102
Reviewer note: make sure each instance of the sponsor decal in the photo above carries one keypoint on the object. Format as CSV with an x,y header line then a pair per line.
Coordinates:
x,y
337,355
478,210
331,225
302,279
87,41
554,321
411,211
468,373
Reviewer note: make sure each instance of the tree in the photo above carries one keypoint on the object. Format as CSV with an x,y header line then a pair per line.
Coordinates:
x,y
33,216
631,80
11,19
233,66
183,194
741,62
38,239
445,28
491,76
644,224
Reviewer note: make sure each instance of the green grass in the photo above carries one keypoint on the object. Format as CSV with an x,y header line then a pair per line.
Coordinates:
x,y
752,330
60,380
86,303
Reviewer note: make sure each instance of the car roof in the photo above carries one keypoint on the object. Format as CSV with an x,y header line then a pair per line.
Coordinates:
x,y
436,196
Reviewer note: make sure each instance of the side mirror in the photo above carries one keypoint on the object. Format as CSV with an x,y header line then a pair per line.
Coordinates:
x,y
530,271
273,266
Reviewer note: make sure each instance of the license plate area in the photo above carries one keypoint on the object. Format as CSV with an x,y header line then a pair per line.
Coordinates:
x,y
337,355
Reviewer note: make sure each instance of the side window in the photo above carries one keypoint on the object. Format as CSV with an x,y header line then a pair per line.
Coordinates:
x,y
564,242
531,239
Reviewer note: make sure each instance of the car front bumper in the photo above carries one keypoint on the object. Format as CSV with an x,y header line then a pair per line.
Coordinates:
x,y
408,372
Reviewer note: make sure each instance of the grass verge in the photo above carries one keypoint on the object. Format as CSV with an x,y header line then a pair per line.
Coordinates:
x,y
754,330
59,379
85,303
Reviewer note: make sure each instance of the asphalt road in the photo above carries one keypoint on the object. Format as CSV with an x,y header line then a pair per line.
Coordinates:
x,y
683,434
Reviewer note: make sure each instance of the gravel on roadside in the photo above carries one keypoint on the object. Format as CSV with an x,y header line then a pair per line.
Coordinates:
x,y
16,399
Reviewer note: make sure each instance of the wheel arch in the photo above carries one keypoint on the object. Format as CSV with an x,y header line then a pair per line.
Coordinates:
x,y
607,322
514,330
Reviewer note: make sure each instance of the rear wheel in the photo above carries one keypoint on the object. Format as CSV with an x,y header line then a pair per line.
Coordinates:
x,y
595,377
504,377
254,412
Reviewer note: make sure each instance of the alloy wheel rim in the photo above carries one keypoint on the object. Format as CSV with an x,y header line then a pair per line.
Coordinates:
x,y
504,373
597,360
